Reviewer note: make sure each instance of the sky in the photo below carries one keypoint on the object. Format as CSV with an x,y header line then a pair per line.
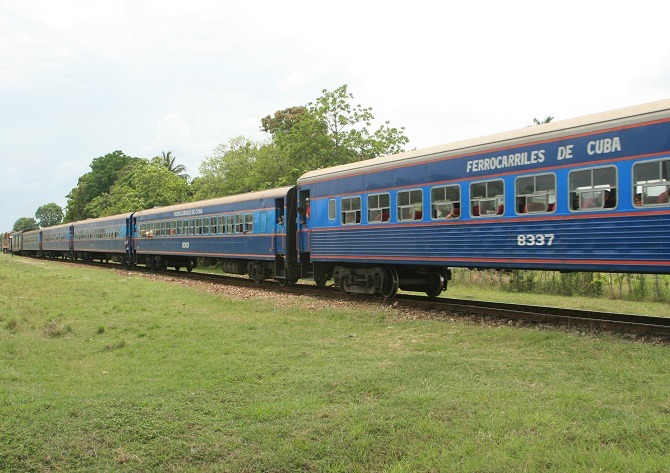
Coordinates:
x,y
82,78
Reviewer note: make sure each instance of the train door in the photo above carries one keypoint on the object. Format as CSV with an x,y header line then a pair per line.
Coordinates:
x,y
280,226
304,231
70,241
131,228
128,240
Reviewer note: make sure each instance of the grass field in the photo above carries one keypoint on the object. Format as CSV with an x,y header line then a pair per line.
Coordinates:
x,y
105,370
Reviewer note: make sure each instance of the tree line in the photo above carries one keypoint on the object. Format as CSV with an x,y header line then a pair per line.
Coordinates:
x,y
329,131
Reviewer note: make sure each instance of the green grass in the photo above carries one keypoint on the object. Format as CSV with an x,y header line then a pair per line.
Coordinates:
x,y
101,370
461,290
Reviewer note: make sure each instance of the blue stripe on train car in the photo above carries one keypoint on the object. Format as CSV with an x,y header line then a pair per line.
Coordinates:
x,y
607,243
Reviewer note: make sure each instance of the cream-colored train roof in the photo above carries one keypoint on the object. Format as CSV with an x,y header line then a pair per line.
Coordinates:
x,y
265,194
649,111
102,220
60,226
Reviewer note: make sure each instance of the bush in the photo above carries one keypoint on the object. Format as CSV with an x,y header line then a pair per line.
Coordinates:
x,y
638,287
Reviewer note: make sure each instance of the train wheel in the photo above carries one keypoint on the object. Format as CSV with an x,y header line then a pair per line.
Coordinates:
x,y
189,266
344,284
391,282
177,268
435,285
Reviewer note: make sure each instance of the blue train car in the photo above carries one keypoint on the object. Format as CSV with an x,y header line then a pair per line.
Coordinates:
x,y
103,239
32,243
57,241
587,194
250,234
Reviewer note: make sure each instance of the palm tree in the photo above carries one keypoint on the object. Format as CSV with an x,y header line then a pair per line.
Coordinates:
x,y
546,120
169,162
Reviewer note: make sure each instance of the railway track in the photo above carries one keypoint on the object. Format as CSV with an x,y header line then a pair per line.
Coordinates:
x,y
592,320
640,325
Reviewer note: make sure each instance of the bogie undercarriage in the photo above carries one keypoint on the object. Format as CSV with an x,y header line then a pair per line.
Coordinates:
x,y
386,280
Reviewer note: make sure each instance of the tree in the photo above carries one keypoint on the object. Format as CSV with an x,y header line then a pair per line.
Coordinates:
x,y
25,223
228,170
105,171
546,120
348,128
144,186
327,132
49,215
169,162
283,120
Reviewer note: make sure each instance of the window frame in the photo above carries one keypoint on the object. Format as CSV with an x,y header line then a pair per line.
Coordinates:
x,y
535,193
248,223
450,203
239,223
411,204
332,209
357,213
593,190
497,200
377,207
661,182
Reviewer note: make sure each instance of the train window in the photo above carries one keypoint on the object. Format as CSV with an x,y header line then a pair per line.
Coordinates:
x,y
536,194
179,228
379,208
351,210
205,226
332,209
230,224
191,226
593,189
248,223
239,224
445,202
651,183
410,205
173,227
487,198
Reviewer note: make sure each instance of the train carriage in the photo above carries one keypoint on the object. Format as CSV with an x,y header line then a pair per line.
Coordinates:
x,y
32,243
250,234
57,241
103,239
16,242
587,194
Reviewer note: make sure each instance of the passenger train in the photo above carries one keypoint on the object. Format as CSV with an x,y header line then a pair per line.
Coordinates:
x,y
585,194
